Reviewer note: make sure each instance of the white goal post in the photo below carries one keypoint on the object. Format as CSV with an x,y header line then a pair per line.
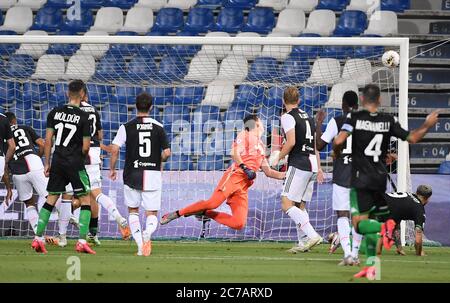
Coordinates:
x,y
400,88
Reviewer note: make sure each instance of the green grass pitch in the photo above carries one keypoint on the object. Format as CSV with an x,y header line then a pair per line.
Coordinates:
x,y
210,262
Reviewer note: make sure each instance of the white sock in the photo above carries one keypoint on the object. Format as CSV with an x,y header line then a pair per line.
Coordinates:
x,y
33,217
306,226
150,226
136,229
356,242
301,219
109,205
300,235
41,201
65,211
343,227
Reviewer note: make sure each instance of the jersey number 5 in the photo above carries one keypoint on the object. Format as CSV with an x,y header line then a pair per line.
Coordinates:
x,y
145,145
374,148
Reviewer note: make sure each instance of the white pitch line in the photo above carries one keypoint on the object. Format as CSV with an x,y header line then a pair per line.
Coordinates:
x,y
243,258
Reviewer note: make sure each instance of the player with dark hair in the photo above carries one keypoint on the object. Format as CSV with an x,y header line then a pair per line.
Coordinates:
x,y
6,136
342,172
303,167
146,147
371,132
26,167
69,126
409,206
248,154
92,165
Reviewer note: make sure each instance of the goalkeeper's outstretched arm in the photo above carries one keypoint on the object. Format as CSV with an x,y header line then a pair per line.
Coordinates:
x,y
271,173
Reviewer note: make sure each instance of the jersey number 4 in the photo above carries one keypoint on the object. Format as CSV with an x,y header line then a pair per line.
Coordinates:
x,y
145,144
374,148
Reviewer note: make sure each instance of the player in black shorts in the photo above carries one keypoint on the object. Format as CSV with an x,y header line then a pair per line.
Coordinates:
x,y
69,126
372,132
6,136
409,206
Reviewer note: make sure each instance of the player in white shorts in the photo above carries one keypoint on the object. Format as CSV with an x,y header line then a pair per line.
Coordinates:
x,y
303,168
146,146
342,174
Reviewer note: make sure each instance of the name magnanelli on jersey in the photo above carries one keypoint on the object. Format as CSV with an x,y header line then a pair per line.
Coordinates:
x,y
376,127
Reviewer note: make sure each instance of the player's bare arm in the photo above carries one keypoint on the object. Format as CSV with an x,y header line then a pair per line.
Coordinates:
x,y
8,186
271,173
165,154
41,145
11,149
417,134
418,242
112,163
48,150
288,145
320,117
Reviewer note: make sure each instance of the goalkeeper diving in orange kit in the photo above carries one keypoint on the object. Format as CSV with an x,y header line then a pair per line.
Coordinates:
x,y
248,154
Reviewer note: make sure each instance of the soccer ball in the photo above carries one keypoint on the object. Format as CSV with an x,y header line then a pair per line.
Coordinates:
x,y
391,59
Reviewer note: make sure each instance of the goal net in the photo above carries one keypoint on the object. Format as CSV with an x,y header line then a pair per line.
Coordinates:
x,y
202,88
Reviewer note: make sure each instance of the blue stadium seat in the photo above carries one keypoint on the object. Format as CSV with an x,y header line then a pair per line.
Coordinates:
x,y
92,3
79,25
169,19
306,51
10,48
295,70
249,95
150,50
63,49
270,115
114,114
35,92
20,66
235,113
204,113
161,95
260,20
123,4
209,3
210,163
243,4
171,69
40,112
314,96
99,94
191,95
61,90
395,5
366,51
141,69
173,113
351,23
444,168
179,163
263,69
337,52
199,20
58,3
124,49
230,20
334,5
9,92
155,114
274,97
23,112
1,17
110,67
48,19
185,50
126,94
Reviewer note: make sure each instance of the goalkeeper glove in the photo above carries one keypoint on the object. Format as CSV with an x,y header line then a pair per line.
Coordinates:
x,y
249,172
